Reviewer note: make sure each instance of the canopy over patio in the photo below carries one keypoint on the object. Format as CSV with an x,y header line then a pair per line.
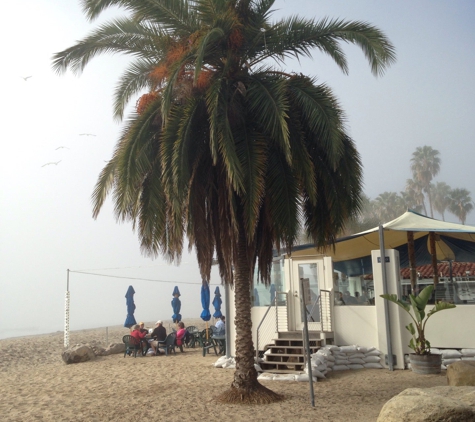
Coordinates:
x,y
352,254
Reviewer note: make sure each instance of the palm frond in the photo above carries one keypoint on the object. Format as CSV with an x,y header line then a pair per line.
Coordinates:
x,y
251,149
321,114
119,36
206,47
282,200
268,104
134,79
297,36
169,14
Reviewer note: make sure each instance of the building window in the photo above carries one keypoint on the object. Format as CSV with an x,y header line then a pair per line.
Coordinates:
x,y
265,295
353,290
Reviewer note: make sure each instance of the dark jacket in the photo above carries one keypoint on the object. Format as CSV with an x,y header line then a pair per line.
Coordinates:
x,y
160,333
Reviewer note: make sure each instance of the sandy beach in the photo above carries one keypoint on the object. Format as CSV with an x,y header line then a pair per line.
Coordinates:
x,y
37,385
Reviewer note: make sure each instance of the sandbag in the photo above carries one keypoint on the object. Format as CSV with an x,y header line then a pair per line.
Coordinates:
x,y
372,359
373,353
357,361
355,366
451,354
348,349
283,377
373,365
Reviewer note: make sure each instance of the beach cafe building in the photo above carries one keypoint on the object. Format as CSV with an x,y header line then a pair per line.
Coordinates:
x,y
344,306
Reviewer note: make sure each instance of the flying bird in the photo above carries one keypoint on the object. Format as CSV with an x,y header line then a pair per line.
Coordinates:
x,y
53,162
61,148
86,134
25,78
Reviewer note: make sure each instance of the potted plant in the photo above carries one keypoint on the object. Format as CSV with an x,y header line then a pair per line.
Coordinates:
x,y
422,360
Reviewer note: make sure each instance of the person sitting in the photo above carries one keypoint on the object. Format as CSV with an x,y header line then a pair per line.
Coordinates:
x,y
144,341
348,299
363,298
180,335
221,326
339,299
158,334
138,336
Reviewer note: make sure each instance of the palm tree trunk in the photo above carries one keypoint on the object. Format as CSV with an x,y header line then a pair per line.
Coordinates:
x,y
430,202
412,260
245,388
433,253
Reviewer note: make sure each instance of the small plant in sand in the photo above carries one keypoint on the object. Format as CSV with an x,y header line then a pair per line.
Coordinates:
x,y
419,343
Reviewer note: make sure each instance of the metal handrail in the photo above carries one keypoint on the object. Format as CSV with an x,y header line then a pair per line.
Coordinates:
x,y
275,306
259,326
327,294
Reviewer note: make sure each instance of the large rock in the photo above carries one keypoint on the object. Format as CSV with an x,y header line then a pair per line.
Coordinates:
x,y
437,404
460,373
114,348
78,353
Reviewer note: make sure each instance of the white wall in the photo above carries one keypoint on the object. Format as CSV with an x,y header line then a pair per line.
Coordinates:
x,y
355,325
451,328
257,313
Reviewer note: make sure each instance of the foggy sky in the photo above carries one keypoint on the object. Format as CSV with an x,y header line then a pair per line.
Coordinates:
x,y
425,98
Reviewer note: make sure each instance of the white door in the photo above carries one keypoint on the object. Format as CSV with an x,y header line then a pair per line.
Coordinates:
x,y
313,271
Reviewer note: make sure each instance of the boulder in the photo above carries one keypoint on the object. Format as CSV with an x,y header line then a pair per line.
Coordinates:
x,y
114,349
78,353
437,404
461,373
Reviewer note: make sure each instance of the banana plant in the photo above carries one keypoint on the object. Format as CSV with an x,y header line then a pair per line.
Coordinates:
x,y
419,343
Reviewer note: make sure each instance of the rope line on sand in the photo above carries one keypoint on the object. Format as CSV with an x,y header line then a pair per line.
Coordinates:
x,y
135,266
136,278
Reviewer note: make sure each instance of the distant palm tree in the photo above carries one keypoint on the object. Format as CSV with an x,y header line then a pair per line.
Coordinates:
x,y
414,196
366,219
425,164
388,206
224,148
461,203
441,194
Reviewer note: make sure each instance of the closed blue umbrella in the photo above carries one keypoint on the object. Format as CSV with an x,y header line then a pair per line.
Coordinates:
x,y
217,303
176,305
129,296
205,315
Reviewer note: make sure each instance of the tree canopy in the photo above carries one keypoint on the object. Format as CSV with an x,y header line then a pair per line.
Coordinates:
x,y
225,147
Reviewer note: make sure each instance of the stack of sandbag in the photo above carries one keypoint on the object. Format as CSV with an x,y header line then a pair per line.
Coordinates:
x,y
356,357
230,363
267,376
372,357
453,355
339,358
224,362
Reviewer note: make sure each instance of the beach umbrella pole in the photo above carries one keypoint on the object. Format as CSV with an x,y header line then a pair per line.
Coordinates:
x,y
66,313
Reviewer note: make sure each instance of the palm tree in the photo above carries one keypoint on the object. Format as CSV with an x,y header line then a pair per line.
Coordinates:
x,y
225,149
388,206
414,196
410,202
425,164
366,219
441,193
461,203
